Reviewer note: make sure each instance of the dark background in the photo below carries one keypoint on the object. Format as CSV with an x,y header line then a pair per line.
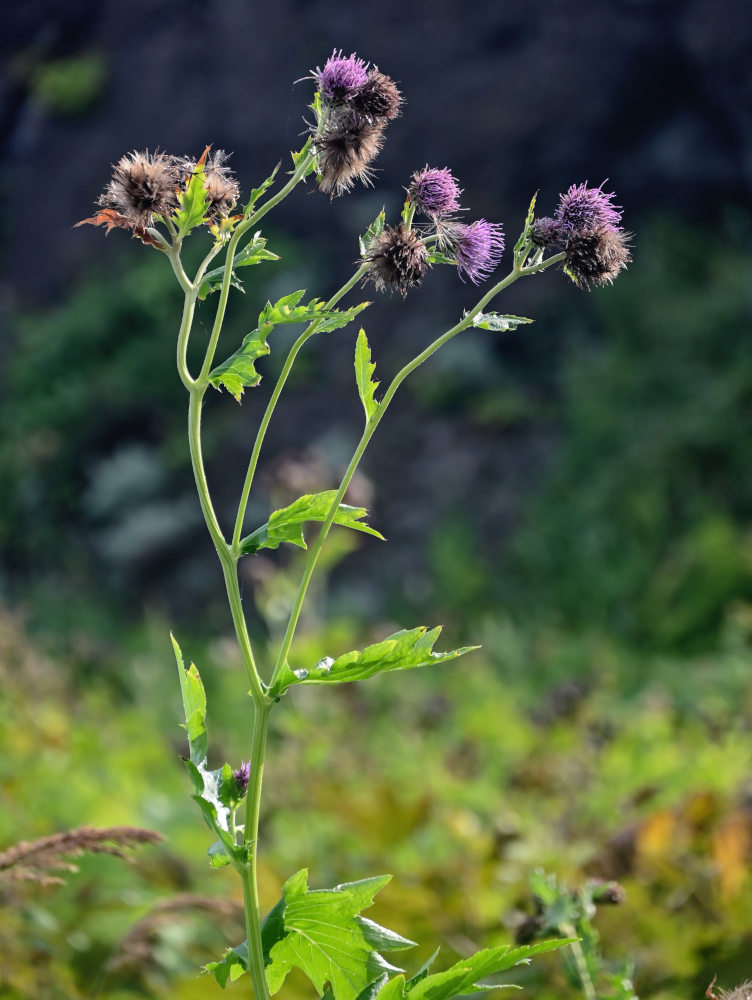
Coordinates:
x,y
654,96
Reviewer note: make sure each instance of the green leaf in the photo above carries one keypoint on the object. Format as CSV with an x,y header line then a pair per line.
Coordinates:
x,y
258,191
194,707
437,257
464,976
404,650
364,369
328,940
238,371
322,933
375,229
298,157
495,321
194,200
254,253
286,525
520,247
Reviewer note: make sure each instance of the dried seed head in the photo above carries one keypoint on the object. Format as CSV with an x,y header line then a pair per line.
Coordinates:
x,y
583,210
597,257
434,192
398,260
477,248
345,151
741,992
142,185
342,76
219,182
545,232
378,98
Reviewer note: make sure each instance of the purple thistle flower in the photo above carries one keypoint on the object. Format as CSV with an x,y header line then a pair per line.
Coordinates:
x,y
477,248
242,776
583,210
342,76
434,192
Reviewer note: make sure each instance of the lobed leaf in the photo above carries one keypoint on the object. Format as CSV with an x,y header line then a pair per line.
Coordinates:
x,y
258,191
193,200
364,369
375,229
254,253
194,706
496,321
404,650
239,372
322,933
520,247
286,525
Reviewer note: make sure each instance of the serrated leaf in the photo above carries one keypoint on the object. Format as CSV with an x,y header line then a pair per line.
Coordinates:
x,y
232,965
254,253
193,200
498,322
301,154
238,371
524,235
464,976
375,229
437,257
286,525
405,650
194,706
258,191
326,937
364,369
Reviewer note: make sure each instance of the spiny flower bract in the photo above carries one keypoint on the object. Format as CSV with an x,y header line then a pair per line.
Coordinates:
x,y
584,210
434,192
378,98
398,260
345,150
142,185
477,247
342,76
596,258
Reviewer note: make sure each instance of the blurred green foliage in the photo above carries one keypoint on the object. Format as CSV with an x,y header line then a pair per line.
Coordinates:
x,y
70,86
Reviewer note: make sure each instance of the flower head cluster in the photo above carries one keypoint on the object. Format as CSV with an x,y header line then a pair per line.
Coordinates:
x,y
357,103
587,224
477,248
398,259
434,192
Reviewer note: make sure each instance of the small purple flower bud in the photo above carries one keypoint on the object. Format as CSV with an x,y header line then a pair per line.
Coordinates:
x,y
342,76
242,776
477,248
583,210
545,232
434,192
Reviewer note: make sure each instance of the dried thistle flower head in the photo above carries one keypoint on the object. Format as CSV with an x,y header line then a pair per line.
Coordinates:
x,y
596,258
741,992
398,260
345,151
219,181
434,192
378,98
584,210
142,185
342,76
477,248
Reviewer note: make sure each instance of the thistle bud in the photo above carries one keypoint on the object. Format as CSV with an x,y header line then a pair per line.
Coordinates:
x,y
378,99
398,260
545,232
584,210
242,776
434,192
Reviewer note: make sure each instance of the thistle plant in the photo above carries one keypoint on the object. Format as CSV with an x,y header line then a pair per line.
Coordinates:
x,y
163,199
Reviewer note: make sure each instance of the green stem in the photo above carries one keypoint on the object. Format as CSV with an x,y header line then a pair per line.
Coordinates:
x,y
580,962
250,837
309,331
370,427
